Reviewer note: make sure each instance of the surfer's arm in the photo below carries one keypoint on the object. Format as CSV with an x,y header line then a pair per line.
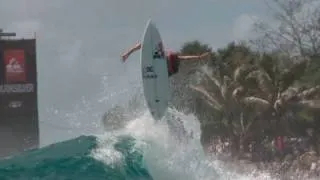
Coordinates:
x,y
194,57
130,51
188,57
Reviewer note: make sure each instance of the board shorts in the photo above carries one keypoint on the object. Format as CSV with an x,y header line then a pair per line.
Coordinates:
x,y
173,63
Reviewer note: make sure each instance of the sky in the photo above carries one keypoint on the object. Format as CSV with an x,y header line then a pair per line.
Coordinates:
x,y
79,43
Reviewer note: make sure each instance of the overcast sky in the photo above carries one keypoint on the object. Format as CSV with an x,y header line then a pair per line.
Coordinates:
x,y
79,43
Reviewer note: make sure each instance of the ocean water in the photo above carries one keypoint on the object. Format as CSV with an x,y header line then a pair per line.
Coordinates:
x,y
142,150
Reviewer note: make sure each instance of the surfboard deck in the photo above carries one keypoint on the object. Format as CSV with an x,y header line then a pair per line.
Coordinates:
x,y
154,71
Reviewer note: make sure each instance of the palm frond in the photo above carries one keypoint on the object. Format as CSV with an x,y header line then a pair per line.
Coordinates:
x,y
238,92
256,102
263,80
214,86
214,105
310,93
242,71
208,97
213,79
290,94
309,104
293,74
268,64
226,90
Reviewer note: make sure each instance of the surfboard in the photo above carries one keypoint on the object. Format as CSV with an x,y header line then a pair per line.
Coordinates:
x,y
154,72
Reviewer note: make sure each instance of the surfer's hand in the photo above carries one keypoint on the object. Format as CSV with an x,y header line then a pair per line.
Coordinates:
x,y
124,57
205,55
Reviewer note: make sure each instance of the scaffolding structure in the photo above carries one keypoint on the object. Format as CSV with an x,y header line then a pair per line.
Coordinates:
x,y
19,118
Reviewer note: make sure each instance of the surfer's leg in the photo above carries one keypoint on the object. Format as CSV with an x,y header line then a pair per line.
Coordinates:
x,y
170,74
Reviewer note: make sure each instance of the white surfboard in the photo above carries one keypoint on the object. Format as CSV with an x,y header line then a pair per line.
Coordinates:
x,y
154,72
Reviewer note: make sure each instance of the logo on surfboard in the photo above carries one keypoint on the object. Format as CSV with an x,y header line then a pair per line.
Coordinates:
x,y
148,72
148,69
158,52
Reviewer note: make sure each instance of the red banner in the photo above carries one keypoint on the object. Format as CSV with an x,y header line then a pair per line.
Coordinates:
x,y
15,66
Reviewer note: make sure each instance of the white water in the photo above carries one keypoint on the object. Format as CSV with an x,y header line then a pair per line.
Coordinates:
x,y
164,156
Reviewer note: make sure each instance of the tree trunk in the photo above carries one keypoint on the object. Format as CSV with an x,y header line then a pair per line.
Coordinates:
x,y
235,145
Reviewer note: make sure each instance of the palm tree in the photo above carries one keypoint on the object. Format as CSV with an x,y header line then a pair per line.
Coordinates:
x,y
220,91
258,96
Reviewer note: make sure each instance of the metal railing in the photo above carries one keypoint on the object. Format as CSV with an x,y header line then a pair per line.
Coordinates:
x,y
6,34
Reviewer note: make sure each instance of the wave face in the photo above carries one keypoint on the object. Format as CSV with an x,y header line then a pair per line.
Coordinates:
x,y
142,150
73,160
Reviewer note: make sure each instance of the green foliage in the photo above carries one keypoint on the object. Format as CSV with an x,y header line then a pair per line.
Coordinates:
x,y
194,48
267,62
247,91
231,57
293,74
312,75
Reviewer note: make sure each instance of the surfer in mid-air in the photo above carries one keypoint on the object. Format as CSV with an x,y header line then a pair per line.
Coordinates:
x,y
173,58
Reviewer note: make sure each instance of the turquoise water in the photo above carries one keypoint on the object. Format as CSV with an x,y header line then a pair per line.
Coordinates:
x,y
73,160
142,150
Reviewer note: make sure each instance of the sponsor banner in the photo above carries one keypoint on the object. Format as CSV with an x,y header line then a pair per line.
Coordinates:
x,y
15,104
17,88
15,68
158,51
